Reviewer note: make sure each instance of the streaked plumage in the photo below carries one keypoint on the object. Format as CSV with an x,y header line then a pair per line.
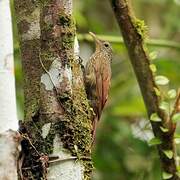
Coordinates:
x,y
98,77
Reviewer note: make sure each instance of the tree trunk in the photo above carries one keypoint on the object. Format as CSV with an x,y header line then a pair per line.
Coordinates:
x,y
8,113
57,126
133,34
9,139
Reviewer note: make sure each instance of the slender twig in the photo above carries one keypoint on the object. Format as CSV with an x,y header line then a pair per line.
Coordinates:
x,y
162,43
30,142
50,77
60,160
69,158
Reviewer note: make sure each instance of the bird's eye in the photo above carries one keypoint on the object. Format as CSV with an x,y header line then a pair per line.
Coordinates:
x,y
106,44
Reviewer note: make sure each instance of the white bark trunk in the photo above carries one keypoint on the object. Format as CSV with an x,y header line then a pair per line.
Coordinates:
x,y
8,115
9,140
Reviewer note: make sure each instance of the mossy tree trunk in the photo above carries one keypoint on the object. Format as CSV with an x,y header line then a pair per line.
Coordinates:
x,y
57,125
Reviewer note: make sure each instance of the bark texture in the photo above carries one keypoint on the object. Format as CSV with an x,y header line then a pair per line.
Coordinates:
x,y
57,126
9,152
133,35
27,18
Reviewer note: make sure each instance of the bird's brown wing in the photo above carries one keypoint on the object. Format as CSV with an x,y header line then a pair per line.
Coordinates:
x,y
98,105
106,77
103,77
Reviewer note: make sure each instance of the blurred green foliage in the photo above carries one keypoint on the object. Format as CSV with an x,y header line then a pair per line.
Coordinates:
x,y
119,153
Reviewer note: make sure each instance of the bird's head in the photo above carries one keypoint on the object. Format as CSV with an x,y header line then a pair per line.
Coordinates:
x,y
102,46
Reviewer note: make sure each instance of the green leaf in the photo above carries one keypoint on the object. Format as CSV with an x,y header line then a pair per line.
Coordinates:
x,y
168,153
178,174
176,117
171,94
161,80
177,135
178,167
153,68
154,141
164,129
177,140
166,175
157,91
76,148
154,117
153,55
164,106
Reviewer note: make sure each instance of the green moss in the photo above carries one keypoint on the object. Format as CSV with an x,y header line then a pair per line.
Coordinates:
x,y
24,8
31,109
68,27
49,140
75,127
65,20
141,28
32,79
82,114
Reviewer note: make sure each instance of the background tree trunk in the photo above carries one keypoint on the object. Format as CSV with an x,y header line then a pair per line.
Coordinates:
x,y
8,113
133,33
9,139
57,126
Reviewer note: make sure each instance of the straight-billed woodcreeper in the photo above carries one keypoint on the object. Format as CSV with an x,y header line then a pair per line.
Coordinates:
x,y
98,77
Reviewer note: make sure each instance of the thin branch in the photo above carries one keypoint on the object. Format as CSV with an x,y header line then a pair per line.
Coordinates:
x,y
162,43
133,38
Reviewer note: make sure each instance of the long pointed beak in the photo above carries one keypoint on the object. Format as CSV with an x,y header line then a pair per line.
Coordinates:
x,y
95,38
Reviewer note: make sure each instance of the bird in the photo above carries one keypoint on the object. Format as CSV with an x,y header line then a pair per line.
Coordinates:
x,y
98,78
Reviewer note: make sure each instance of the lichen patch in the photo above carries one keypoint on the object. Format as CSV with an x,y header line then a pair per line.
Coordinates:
x,y
45,130
33,32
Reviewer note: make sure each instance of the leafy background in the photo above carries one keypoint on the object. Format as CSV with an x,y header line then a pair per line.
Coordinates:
x,y
121,151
